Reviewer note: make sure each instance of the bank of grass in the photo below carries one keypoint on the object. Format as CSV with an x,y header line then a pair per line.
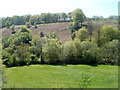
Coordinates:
x,y
48,76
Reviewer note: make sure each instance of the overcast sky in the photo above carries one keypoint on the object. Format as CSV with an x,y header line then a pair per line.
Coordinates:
x,y
90,7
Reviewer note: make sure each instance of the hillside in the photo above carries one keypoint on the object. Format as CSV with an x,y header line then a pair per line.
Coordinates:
x,y
61,28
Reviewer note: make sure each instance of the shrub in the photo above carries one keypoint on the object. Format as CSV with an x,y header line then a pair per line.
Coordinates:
x,y
90,53
69,53
5,56
75,26
22,37
24,29
18,57
36,41
52,35
34,59
110,53
17,39
109,33
13,29
6,41
76,52
82,34
35,25
34,50
28,24
51,51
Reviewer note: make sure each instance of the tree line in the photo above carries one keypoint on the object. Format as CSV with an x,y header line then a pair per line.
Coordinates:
x,y
46,18
91,44
39,19
24,48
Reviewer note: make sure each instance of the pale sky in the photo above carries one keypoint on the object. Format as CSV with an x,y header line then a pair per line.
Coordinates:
x,y
90,7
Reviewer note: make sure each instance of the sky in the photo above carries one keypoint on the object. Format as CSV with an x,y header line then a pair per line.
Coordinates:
x,y
90,8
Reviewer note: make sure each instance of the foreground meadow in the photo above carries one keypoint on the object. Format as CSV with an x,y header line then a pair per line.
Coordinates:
x,y
70,76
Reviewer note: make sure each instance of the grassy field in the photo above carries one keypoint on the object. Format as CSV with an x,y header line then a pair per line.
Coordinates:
x,y
70,76
0,79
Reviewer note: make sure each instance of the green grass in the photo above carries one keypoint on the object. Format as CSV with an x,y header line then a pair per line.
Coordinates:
x,y
48,76
0,73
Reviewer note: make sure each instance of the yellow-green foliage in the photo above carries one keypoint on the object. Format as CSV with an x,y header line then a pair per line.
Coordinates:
x,y
82,34
51,51
109,33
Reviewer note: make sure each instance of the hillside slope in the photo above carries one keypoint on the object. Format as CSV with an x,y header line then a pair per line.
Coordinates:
x,y
61,28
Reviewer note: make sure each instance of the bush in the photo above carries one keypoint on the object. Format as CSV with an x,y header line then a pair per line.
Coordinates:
x,y
28,24
69,53
34,50
110,53
17,39
51,51
5,56
90,53
36,41
52,35
76,52
82,34
25,29
18,57
6,42
75,26
35,25
12,28
34,59
109,33
22,37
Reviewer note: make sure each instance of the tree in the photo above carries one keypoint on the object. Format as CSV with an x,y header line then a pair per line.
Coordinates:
x,y
50,18
78,16
8,24
55,17
74,26
13,29
64,16
90,53
77,52
109,33
28,25
35,54
110,52
18,57
22,55
24,36
35,25
82,34
113,17
24,29
46,17
97,34
90,27
70,16
34,19
38,43
51,51
68,55
35,50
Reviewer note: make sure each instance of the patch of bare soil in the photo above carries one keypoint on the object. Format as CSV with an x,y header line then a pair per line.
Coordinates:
x,y
61,28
